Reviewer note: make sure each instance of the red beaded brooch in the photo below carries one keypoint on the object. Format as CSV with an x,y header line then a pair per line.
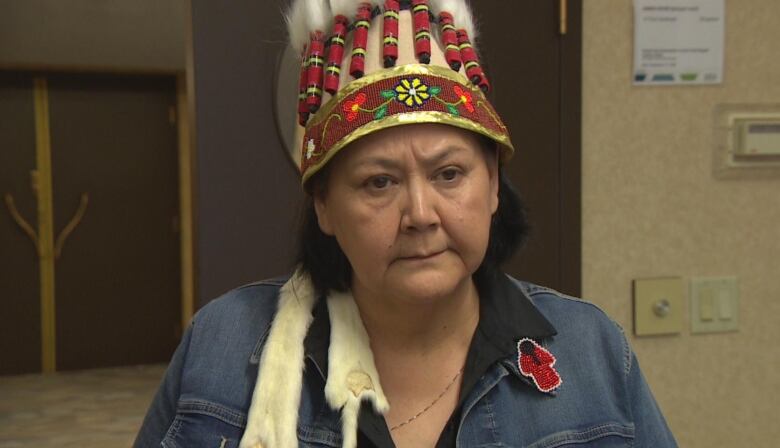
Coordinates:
x,y
537,363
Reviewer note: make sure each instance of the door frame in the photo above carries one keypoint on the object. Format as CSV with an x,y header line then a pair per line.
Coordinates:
x,y
186,129
182,112
570,13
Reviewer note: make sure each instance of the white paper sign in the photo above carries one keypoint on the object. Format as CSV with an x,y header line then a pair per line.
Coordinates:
x,y
678,42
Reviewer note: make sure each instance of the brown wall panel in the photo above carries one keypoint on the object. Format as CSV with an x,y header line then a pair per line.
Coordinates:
x,y
246,192
536,74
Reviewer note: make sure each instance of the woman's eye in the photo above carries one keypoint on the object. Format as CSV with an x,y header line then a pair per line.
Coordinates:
x,y
379,182
449,174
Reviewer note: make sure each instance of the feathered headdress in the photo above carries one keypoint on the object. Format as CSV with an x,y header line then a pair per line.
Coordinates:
x,y
370,65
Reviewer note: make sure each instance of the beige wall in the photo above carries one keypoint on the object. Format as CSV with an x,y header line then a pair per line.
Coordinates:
x,y
652,207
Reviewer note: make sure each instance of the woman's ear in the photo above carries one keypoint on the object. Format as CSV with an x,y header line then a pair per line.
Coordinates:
x,y
322,214
493,170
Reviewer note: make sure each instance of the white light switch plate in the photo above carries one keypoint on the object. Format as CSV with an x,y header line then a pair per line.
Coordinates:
x,y
714,304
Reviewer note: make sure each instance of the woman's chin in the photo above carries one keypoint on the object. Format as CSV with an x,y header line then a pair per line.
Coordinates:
x,y
426,286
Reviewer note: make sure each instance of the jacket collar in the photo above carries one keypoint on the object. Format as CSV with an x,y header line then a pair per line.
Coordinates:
x,y
506,316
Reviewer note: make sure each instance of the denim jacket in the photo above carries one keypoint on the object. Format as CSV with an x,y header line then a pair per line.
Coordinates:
x,y
603,401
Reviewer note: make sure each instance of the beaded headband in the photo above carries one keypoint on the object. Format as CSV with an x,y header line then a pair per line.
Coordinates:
x,y
404,70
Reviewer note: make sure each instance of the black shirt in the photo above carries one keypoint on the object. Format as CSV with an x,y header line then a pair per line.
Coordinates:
x,y
506,315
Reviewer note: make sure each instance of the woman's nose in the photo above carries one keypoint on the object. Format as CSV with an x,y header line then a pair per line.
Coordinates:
x,y
419,210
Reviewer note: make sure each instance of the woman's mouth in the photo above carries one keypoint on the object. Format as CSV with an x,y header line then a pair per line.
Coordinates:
x,y
421,256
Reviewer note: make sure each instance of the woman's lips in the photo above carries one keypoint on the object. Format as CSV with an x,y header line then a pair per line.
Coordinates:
x,y
420,257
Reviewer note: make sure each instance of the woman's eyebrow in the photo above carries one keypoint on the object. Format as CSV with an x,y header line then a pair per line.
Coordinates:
x,y
383,162
392,163
442,154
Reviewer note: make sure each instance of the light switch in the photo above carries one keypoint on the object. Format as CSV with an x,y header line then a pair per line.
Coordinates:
x,y
706,305
658,306
724,304
714,304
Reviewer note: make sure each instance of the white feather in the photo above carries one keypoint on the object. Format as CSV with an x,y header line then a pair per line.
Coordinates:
x,y
346,8
461,13
296,24
318,17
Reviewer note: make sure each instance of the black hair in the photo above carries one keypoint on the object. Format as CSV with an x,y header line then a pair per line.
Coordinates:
x,y
320,255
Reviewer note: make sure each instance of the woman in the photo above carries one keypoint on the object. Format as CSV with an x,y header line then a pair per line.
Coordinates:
x,y
398,328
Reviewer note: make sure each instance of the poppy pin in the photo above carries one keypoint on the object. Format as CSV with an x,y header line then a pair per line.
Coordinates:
x,y
537,363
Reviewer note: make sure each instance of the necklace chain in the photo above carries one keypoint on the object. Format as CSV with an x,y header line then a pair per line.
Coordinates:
x,y
414,417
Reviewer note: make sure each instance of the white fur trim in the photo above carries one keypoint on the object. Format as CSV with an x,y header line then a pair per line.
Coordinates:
x,y
346,8
352,374
296,25
304,17
318,17
273,416
461,13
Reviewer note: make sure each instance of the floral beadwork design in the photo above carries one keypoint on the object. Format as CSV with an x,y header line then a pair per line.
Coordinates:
x,y
414,93
411,92
424,96
353,106
465,98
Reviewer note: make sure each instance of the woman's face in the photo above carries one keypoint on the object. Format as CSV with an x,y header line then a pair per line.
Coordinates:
x,y
411,207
